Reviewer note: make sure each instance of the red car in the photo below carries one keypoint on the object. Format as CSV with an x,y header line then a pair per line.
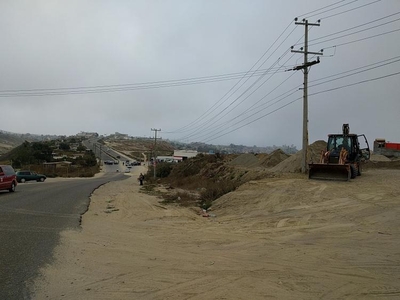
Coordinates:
x,y
8,179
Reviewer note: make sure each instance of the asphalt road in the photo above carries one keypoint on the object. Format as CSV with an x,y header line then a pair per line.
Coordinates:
x,y
31,220
108,154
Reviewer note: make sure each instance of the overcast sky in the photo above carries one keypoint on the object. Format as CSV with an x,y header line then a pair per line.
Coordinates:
x,y
71,66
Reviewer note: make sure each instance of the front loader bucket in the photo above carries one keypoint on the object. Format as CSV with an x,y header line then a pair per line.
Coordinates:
x,y
329,172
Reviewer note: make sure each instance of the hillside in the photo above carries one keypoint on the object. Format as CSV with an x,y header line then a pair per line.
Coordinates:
x,y
10,140
136,147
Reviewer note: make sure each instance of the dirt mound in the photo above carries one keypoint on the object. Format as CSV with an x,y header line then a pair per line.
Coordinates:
x,y
293,163
140,145
274,158
246,160
395,164
379,157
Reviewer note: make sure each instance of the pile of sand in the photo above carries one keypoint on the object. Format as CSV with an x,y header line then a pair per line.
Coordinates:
x,y
274,158
246,160
293,163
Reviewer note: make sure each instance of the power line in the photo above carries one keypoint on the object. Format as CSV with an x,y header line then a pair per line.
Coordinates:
x,y
356,83
307,17
363,39
322,8
245,91
279,108
248,117
369,69
313,94
212,124
196,129
216,120
341,31
328,40
358,7
292,92
199,118
205,121
237,74
137,86
366,66
129,87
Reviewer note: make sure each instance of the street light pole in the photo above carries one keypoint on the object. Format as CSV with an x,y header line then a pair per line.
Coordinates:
x,y
155,155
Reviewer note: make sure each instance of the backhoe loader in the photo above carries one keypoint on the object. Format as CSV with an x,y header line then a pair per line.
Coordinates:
x,y
342,158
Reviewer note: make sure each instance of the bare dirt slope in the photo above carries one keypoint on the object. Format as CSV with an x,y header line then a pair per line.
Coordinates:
x,y
279,238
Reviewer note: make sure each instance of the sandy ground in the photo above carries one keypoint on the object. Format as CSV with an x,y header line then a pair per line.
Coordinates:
x,y
279,238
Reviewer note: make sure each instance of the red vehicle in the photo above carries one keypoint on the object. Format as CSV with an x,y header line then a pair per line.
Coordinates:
x,y
8,179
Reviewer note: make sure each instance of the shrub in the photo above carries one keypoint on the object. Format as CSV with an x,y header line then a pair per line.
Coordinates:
x,y
214,190
162,170
183,198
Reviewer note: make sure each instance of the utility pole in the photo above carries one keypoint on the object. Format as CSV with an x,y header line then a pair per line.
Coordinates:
x,y
94,149
155,144
305,67
100,156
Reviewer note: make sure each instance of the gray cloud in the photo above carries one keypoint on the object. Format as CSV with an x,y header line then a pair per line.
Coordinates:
x,y
57,44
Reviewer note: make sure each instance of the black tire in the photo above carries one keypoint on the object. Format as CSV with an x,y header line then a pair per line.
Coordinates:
x,y
353,172
12,188
23,180
358,170
41,179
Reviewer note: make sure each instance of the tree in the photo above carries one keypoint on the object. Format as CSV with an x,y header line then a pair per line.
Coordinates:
x,y
89,159
41,151
64,146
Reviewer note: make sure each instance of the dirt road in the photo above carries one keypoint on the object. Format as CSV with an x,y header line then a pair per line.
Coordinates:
x,y
279,238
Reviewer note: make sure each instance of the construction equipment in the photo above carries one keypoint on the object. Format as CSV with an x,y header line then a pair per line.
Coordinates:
x,y
342,158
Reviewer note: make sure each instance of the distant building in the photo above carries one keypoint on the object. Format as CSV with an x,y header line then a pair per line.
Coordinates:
x,y
180,155
87,134
381,146
120,136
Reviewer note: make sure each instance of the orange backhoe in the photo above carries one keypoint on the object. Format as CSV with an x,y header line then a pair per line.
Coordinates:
x,y
342,159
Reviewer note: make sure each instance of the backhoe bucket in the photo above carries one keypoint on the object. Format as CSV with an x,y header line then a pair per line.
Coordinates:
x,y
336,172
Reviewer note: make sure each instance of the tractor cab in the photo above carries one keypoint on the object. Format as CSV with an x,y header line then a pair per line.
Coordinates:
x,y
337,142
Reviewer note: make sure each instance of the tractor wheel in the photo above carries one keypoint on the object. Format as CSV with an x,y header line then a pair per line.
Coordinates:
x,y
358,170
353,172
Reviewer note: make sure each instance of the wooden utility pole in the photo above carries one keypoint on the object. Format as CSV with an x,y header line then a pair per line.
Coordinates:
x,y
305,67
95,150
155,144
100,155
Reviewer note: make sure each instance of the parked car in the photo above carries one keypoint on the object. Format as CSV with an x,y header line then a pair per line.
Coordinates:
x,y
24,175
8,179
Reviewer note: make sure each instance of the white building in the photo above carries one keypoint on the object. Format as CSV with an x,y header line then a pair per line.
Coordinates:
x,y
87,134
180,155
